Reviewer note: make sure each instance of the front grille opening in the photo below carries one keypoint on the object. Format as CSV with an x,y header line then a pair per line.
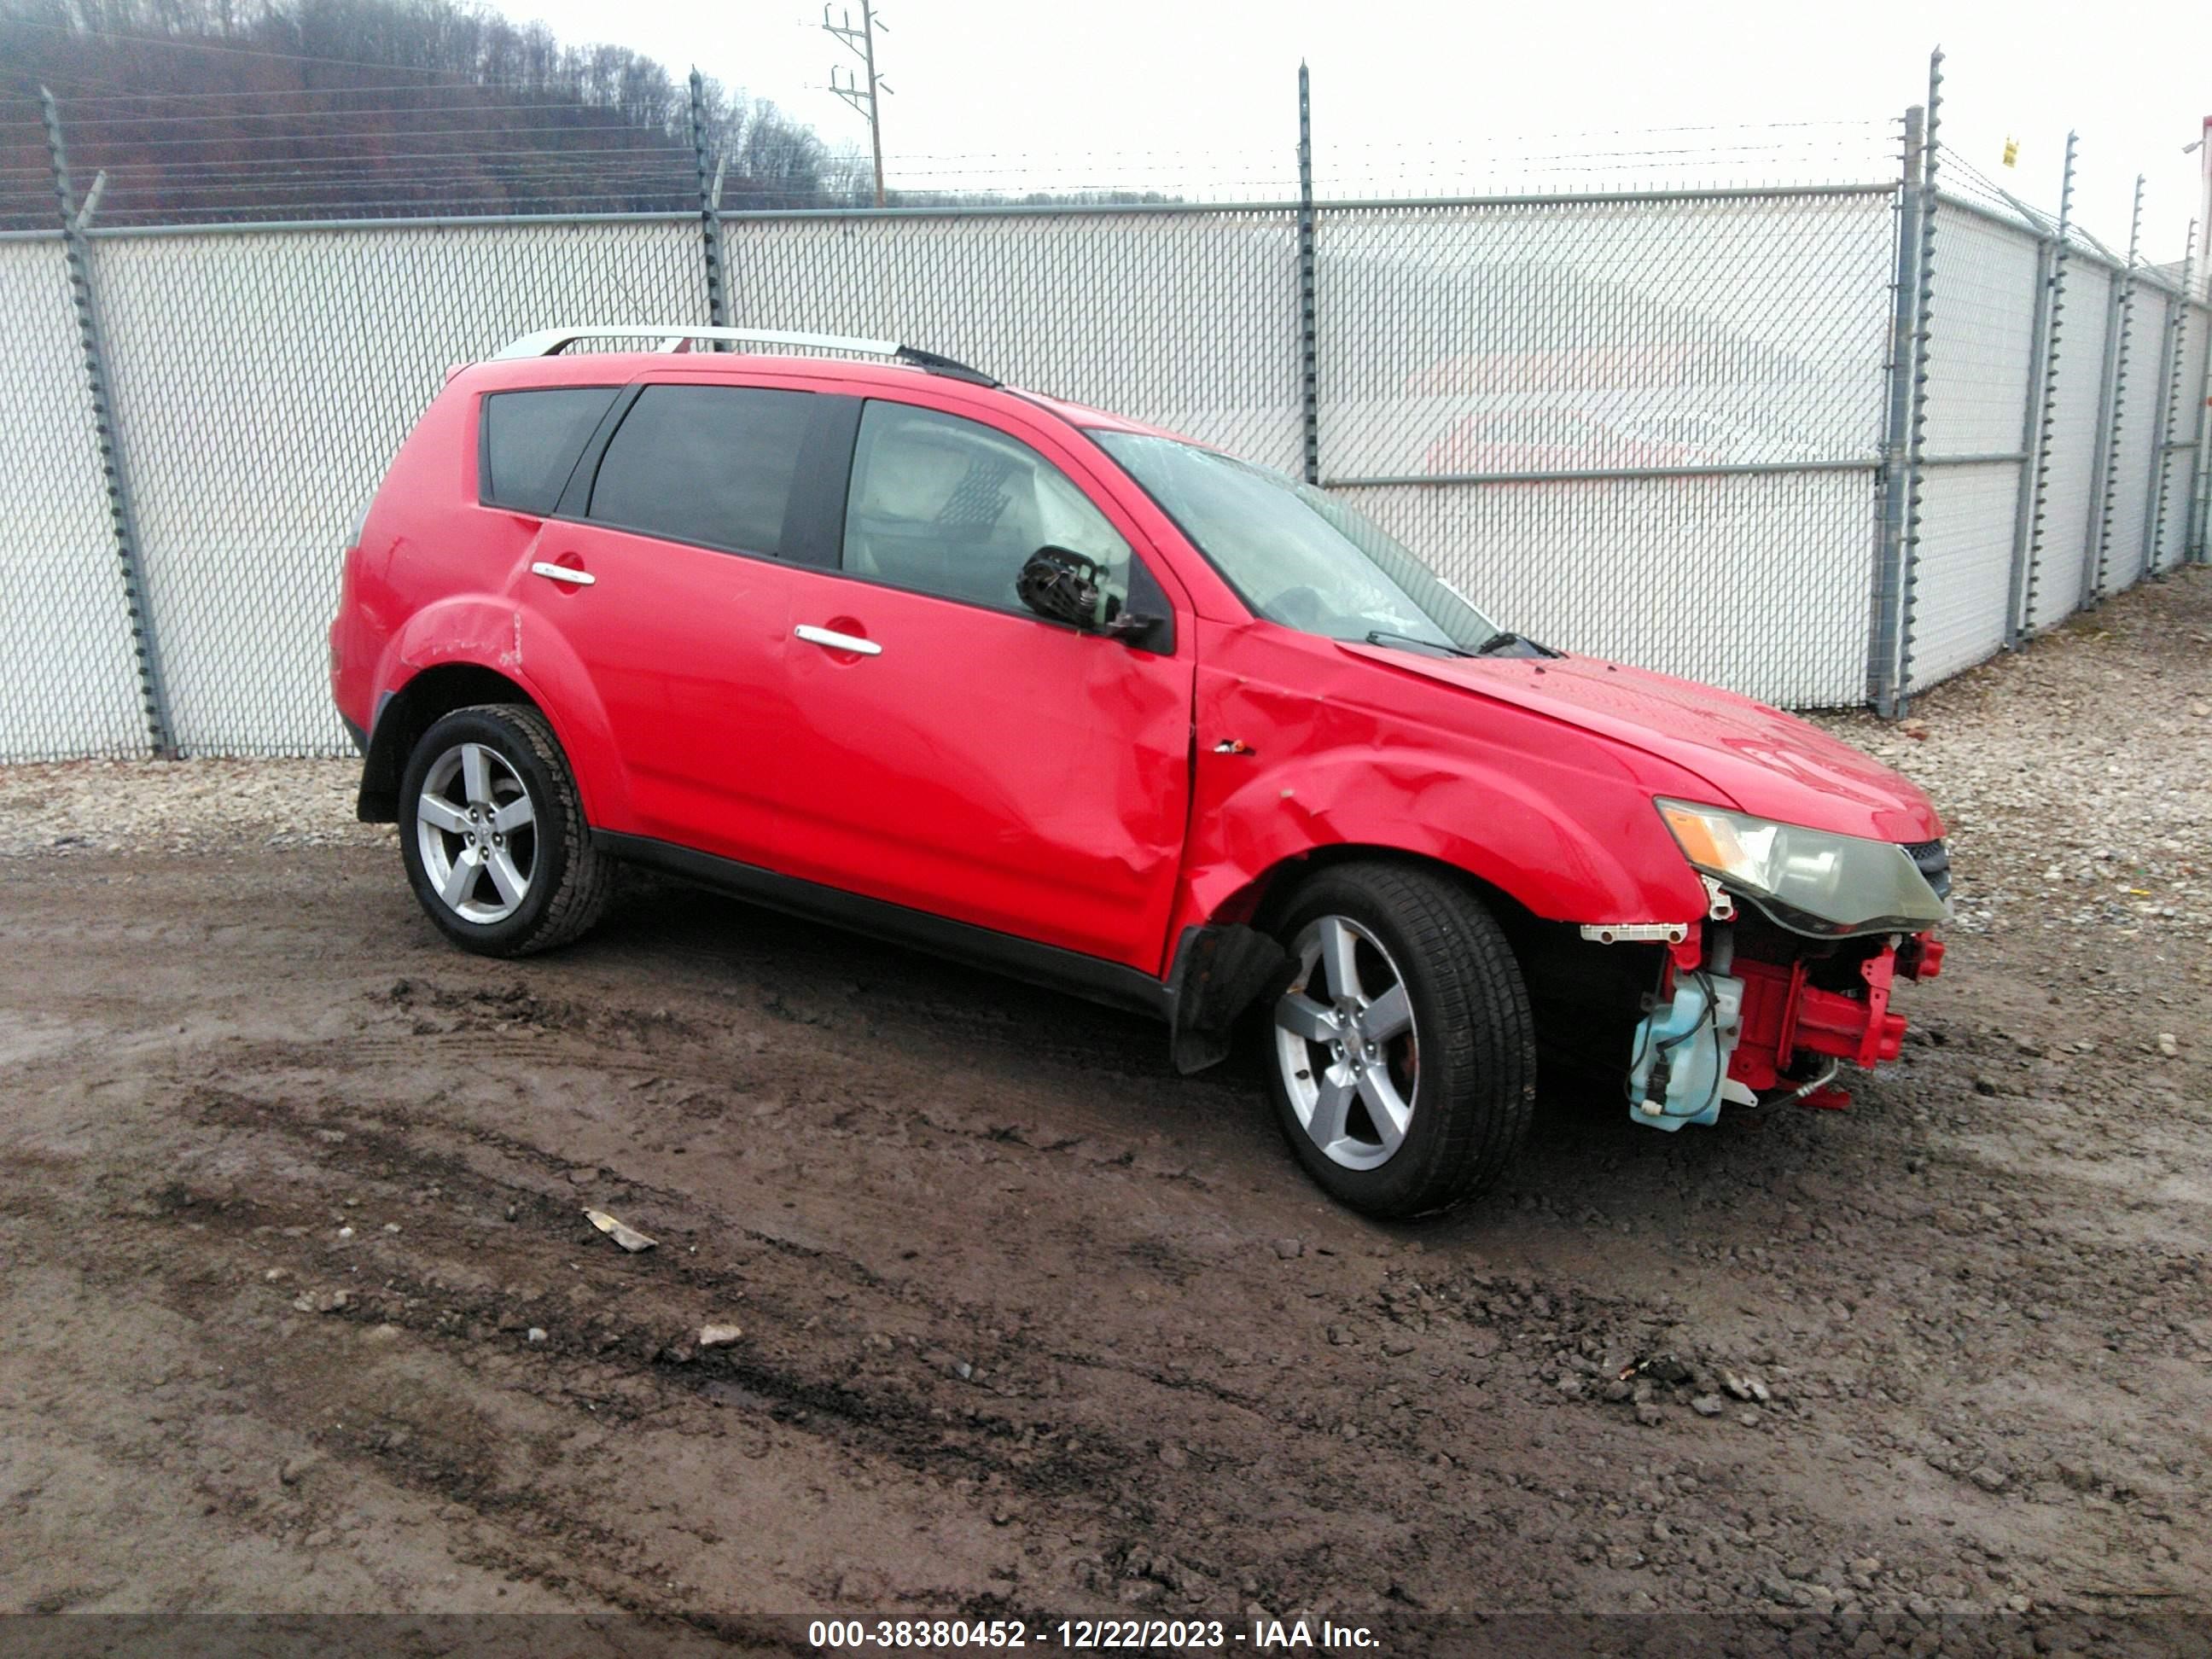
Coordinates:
x,y
1933,859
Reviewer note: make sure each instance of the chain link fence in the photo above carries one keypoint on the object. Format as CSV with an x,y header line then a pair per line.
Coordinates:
x,y
1643,427
1660,426
2052,477
68,682
261,380
2180,487
1183,318
2077,396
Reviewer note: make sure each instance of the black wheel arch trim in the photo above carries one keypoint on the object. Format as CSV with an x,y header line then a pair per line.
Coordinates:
x,y
402,714
1220,970
378,801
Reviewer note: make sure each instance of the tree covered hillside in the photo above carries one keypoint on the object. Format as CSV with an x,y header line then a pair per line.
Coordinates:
x,y
213,110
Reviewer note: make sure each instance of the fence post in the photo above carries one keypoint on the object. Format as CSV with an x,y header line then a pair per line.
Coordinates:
x,y
1896,443
2034,419
1922,330
2042,416
1906,430
2092,526
2200,505
2177,347
2116,422
710,214
1309,329
77,253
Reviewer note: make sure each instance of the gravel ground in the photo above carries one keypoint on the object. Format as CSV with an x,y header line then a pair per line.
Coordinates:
x,y
78,808
2074,776
302,1314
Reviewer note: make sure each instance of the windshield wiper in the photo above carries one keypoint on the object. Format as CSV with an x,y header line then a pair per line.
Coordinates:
x,y
1505,643
1383,636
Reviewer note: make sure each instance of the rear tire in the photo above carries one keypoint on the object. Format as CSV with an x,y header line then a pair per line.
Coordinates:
x,y
493,834
1403,1060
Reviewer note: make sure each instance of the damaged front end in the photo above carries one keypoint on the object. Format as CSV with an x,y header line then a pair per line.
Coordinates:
x,y
1789,974
1761,1016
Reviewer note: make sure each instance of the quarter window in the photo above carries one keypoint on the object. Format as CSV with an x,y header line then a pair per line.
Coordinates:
x,y
950,506
531,440
705,464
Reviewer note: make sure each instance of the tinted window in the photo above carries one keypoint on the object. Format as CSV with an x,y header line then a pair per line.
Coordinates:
x,y
950,506
531,440
707,463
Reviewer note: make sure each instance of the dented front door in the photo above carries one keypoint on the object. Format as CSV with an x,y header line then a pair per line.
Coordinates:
x,y
985,766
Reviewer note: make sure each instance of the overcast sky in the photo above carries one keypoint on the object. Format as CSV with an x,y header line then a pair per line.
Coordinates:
x,y
1415,97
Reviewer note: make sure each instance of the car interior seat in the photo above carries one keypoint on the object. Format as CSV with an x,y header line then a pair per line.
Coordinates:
x,y
944,512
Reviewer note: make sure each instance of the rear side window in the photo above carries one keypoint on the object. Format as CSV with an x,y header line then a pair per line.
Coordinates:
x,y
531,440
706,463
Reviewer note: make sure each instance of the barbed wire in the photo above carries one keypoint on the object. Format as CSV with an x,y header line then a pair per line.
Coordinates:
x,y
231,49
308,159
589,121
92,152
448,137
319,117
1980,190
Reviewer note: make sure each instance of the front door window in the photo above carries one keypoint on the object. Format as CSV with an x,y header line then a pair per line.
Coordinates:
x,y
948,507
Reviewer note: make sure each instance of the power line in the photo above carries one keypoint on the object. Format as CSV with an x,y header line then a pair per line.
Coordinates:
x,y
121,159
632,183
651,146
102,122
228,50
477,83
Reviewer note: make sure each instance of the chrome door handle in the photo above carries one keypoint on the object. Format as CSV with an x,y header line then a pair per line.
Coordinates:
x,y
835,642
562,573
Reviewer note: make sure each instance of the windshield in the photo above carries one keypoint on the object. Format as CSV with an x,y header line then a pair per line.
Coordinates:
x,y
1296,556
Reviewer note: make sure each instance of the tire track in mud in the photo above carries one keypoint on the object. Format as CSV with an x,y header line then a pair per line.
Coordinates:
x,y
782,1276
667,1058
1416,1414
443,1451
422,1020
897,1418
1586,1362
427,1454
883,1417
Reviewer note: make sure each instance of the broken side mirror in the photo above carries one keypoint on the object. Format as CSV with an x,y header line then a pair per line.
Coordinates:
x,y
1065,587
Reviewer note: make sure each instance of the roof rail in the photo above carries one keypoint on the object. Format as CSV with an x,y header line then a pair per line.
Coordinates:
x,y
678,337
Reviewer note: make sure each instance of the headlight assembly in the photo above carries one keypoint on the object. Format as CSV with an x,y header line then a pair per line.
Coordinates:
x,y
1808,880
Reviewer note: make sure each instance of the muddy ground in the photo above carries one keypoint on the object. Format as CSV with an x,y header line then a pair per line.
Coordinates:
x,y
298,1311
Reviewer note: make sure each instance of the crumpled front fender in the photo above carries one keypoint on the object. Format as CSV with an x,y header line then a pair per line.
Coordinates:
x,y
1496,827
1302,747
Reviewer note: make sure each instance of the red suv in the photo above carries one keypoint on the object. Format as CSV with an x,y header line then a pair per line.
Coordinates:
x,y
876,639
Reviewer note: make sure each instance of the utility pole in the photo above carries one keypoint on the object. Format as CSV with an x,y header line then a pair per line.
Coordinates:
x,y
861,43
1308,336
2205,160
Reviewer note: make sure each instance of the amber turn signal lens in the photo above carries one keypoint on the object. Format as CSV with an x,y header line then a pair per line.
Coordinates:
x,y
1699,836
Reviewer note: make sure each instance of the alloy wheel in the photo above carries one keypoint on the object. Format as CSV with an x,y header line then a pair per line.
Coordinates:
x,y
477,829
1346,1040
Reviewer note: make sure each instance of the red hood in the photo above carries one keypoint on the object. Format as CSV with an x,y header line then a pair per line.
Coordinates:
x,y
1757,759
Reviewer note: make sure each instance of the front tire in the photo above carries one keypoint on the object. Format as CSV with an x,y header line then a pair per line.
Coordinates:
x,y
1402,1058
492,836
